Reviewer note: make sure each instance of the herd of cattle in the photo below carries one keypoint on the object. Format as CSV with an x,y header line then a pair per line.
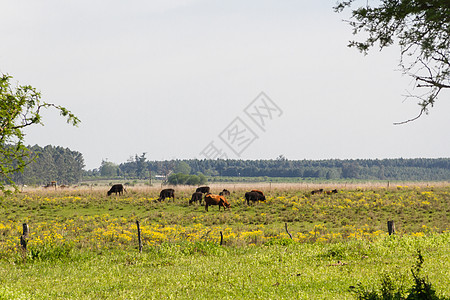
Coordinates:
x,y
203,193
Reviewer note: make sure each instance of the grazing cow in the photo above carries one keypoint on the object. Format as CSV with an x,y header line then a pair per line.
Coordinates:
x,y
331,192
53,183
203,189
117,188
224,193
319,191
254,196
259,192
211,199
197,196
166,193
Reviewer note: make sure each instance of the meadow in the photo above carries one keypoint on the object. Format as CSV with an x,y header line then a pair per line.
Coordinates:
x,y
83,244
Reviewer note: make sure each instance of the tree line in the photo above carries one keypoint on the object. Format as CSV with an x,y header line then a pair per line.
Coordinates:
x,y
429,169
44,165
66,166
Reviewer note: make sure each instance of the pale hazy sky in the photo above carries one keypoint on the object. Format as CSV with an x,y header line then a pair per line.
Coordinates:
x,y
170,77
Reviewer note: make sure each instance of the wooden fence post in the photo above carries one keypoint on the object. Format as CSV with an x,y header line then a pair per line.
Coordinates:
x,y
391,227
24,237
285,226
139,236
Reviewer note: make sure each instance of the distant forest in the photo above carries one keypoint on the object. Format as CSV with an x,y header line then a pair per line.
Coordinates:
x,y
51,164
67,167
418,169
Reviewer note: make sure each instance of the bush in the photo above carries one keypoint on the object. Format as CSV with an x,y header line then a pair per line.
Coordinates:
x,y
421,289
180,179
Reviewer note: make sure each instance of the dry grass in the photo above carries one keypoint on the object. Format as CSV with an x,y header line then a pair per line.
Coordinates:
x,y
237,187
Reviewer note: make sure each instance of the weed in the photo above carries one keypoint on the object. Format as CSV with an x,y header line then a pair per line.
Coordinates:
x,y
422,288
390,290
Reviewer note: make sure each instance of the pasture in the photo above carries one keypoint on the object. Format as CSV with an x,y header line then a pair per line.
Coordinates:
x,y
83,244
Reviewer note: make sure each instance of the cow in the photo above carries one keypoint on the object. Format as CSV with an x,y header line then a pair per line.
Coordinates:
x,y
117,188
203,189
224,193
166,193
211,199
254,196
53,183
319,191
259,192
331,192
197,196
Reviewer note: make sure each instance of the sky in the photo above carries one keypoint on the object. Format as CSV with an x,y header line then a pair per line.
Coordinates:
x,y
213,79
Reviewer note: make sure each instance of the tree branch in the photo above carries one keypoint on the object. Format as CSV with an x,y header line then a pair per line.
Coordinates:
x,y
413,119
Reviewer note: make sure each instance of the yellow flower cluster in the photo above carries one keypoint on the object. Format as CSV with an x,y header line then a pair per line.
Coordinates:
x,y
110,232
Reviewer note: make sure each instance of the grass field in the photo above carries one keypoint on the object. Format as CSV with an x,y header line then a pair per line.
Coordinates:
x,y
83,244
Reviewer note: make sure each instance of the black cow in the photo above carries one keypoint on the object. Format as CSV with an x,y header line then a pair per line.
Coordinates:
x,y
117,188
319,191
254,196
203,189
167,193
197,196
224,193
258,191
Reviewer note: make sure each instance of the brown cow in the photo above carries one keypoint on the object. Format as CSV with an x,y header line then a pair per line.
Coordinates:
x,y
224,193
331,192
211,199
197,196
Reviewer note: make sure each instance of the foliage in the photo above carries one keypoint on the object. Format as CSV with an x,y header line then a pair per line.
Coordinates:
x,y
367,169
421,29
182,167
20,107
182,178
141,169
51,164
108,169
350,170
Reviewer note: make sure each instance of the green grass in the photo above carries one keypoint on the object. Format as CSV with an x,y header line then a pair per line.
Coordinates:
x,y
83,244
208,271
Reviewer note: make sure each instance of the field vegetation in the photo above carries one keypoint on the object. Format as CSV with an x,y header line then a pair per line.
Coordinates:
x,y
83,244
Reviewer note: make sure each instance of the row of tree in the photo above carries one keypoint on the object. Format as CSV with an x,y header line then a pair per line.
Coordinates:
x,y
67,167
50,163
370,169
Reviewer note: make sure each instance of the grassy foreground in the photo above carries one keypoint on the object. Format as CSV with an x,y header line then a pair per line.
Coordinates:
x,y
207,271
83,245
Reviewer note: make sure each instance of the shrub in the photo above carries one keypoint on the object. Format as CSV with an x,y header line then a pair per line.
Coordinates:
x,y
389,290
